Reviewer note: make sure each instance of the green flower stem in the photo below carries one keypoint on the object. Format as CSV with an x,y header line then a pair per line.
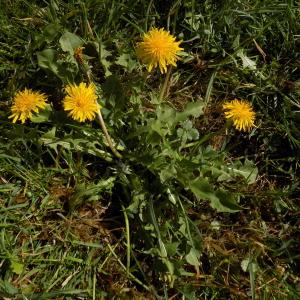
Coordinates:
x,y
102,123
107,136
165,85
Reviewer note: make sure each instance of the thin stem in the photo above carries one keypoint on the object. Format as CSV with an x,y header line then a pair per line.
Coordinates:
x,y
164,87
121,264
127,239
101,122
107,136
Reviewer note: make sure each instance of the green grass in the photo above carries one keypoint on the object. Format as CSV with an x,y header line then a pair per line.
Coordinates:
x,y
191,211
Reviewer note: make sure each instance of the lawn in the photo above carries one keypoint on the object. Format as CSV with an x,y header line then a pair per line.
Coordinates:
x,y
149,149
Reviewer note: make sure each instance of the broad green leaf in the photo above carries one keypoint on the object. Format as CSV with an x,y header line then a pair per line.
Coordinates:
x,y
187,132
158,127
73,144
126,61
168,173
103,55
249,171
182,227
180,132
16,267
202,189
172,196
225,202
137,201
246,61
42,116
193,257
51,31
193,134
220,200
188,291
167,115
194,109
47,60
50,135
172,248
69,42
170,267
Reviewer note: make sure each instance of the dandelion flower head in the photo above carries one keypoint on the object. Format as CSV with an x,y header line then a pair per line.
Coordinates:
x,y
25,103
158,48
241,113
81,101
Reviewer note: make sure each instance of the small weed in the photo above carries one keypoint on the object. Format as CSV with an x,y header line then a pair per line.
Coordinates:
x,y
163,199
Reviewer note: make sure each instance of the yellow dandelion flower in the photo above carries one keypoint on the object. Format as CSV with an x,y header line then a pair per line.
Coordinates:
x,y
81,101
25,103
241,113
158,48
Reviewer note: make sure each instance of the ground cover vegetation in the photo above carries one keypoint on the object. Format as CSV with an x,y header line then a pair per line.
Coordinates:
x,y
149,149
